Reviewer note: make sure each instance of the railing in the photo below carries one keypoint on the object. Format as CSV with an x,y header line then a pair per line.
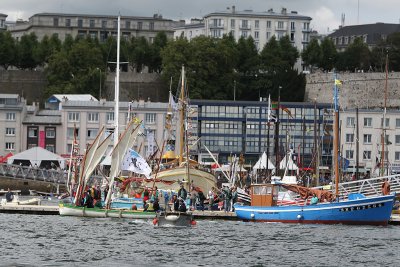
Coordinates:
x,y
368,187
31,173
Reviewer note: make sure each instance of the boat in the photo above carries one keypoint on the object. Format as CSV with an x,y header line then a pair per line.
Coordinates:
x,y
176,219
331,208
66,209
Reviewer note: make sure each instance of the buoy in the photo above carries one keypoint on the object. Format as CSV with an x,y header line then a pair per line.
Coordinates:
x,y
193,222
252,215
155,221
299,217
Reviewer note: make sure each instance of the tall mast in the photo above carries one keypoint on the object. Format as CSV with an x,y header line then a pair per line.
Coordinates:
x,y
357,145
336,139
383,137
182,116
116,96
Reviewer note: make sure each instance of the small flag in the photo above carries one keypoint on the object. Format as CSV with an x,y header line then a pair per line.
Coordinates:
x,y
172,102
135,163
338,82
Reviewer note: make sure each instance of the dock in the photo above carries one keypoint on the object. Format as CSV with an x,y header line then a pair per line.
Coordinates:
x,y
214,215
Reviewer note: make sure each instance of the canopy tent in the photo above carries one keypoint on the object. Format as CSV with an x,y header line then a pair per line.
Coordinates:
x,y
262,163
291,166
39,157
228,168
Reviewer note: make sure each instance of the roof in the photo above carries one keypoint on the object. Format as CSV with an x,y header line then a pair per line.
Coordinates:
x,y
9,96
71,97
159,17
191,26
266,14
377,30
262,163
32,119
35,155
48,112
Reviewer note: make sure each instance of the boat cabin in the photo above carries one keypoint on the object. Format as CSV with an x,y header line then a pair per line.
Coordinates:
x,y
264,195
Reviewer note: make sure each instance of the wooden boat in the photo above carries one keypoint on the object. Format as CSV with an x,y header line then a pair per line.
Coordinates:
x,y
72,210
355,209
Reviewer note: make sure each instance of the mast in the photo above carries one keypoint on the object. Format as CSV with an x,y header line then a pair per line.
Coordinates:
x,y
116,95
268,124
357,145
383,137
315,158
277,134
336,138
182,116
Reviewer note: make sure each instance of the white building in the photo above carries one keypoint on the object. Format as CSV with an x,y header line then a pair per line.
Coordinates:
x,y
190,31
370,124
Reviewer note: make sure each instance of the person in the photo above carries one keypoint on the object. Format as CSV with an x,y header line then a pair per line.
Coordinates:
x,y
166,199
201,199
156,205
148,206
314,200
234,197
182,193
9,195
385,188
174,203
106,192
145,195
182,206
211,195
227,194
193,197
88,200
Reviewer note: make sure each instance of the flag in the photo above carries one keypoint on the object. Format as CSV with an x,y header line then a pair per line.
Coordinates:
x,y
172,102
135,163
338,82
345,162
271,117
150,143
287,111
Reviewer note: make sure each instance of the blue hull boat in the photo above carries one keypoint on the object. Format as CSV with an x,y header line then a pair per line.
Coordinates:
x,y
365,211
126,203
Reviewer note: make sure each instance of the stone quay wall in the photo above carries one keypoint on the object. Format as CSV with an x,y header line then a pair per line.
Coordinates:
x,y
362,90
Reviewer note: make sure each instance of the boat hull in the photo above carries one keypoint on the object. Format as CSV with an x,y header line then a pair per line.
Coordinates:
x,y
369,211
175,219
71,210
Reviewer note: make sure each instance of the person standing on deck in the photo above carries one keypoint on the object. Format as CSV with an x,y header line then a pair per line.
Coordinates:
x,y
234,197
9,195
182,193
227,198
193,197
211,195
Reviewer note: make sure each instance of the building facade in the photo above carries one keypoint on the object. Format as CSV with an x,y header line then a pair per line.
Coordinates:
x,y
3,25
190,31
95,26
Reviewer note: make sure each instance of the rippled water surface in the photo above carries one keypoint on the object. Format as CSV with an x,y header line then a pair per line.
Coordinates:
x,y
36,240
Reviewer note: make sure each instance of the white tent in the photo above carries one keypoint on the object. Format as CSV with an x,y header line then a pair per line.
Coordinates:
x,y
37,156
262,163
291,166
227,168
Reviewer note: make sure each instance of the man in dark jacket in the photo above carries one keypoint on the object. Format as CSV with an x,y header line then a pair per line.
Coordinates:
x,y
182,193
9,195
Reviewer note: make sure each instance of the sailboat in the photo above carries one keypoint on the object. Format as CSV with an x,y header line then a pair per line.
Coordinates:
x,y
331,208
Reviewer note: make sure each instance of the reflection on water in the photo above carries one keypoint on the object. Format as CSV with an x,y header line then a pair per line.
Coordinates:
x,y
60,241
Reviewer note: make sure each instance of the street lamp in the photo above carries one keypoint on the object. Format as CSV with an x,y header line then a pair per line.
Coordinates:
x,y
99,83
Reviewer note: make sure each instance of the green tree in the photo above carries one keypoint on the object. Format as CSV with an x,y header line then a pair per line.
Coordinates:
x,y
7,50
312,54
155,61
358,55
329,54
271,56
26,48
289,53
139,53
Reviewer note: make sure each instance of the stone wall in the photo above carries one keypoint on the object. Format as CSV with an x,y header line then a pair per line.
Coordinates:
x,y
365,90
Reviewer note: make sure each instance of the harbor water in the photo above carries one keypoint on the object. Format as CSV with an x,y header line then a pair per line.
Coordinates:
x,y
36,240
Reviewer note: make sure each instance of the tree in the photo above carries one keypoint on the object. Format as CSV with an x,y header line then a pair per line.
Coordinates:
x,y
329,54
289,53
7,50
358,55
139,53
26,50
155,62
312,54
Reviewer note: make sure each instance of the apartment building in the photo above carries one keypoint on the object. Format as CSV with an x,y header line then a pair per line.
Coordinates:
x,y
370,132
3,26
190,31
95,26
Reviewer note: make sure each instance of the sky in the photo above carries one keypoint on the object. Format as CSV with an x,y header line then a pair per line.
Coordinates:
x,y
325,14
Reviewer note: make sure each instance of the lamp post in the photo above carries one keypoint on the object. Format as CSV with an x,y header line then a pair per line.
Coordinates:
x,y
99,83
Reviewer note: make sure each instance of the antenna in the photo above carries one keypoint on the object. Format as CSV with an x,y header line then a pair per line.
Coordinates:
x,y
358,12
343,19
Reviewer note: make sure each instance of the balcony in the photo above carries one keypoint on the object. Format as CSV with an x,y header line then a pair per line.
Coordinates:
x,y
277,28
306,30
216,26
244,27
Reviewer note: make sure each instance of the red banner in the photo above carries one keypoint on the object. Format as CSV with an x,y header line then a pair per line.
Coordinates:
x,y
42,139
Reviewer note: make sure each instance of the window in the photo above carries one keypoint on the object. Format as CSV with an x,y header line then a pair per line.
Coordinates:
x,y
10,116
51,148
256,35
104,23
350,122
10,145
140,25
367,122
55,22
280,24
151,27
216,33
92,133
292,36
268,24
73,116
70,132
10,131
397,123
127,24
349,138
80,23
67,22
367,154
306,26
397,139
50,132
91,23
257,24
244,34
110,117
268,35
115,24
232,23
150,117
292,26
367,138
386,122
397,155
245,24
93,117
349,154
32,132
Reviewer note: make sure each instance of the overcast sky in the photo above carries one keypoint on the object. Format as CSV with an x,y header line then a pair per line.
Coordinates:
x,y
326,14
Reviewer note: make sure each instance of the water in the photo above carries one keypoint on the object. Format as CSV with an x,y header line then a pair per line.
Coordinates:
x,y
34,240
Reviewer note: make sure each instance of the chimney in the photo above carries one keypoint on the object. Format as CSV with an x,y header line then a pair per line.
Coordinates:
x,y
270,10
233,10
284,11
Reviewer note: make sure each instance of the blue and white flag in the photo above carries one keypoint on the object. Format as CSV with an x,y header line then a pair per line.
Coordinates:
x,y
135,163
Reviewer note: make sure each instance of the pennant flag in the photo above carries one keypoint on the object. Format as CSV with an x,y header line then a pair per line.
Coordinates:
x,y
135,163
338,82
287,111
